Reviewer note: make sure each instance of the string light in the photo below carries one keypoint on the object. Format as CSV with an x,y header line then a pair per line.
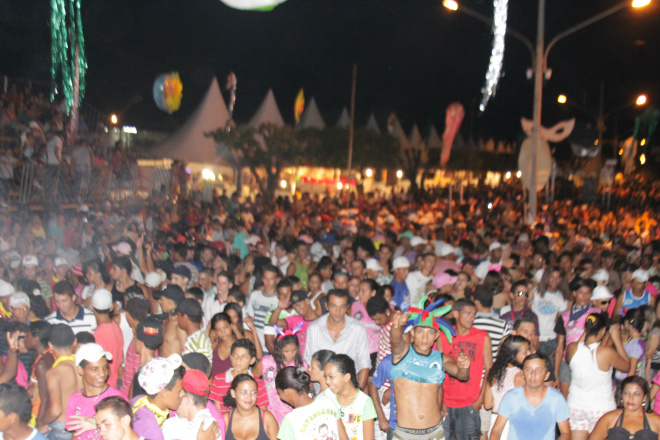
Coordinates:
x,y
67,48
497,53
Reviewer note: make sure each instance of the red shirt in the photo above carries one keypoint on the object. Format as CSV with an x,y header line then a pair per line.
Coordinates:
x,y
222,383
460,394
110,337
131,365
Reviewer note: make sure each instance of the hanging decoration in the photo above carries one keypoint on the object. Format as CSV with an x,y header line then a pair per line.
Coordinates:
x,y
299,106
453,120
232,82
253,5
167,92
68,61
497,53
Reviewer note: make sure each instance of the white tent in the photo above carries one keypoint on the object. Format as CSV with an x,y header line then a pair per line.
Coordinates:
x,y
434,139
398,133
415,136
311,117
344,119
189,142
372,124
268,113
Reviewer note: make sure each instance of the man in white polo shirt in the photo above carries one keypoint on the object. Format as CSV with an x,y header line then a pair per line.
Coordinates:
x,y
68,312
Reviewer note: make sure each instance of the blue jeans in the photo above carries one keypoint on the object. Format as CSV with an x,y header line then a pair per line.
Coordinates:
x,y
464,423
57,432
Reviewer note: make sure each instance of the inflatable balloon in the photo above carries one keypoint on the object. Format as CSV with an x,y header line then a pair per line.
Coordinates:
x,y
167,92
252,5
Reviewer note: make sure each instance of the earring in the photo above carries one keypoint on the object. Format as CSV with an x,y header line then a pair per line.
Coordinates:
x,y
644,404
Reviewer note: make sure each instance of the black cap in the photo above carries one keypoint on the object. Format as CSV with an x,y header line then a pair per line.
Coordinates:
x,y
150,332
197,361
297,296
182,270
173,292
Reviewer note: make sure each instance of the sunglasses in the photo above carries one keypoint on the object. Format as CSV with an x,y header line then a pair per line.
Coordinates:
x,y
521,293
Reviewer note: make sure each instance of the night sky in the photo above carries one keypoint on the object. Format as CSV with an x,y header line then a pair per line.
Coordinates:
x,y
414,57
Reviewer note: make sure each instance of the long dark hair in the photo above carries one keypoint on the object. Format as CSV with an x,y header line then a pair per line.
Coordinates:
x,y
562,287
222,316
293,378
277,351
640,382
230,401
239,312
509,349
345,365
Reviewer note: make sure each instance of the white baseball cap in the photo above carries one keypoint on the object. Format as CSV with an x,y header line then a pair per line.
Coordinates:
x,y
59,261
447,249
153,279
601,292
416,241
640,275
19,299
91,353
601,275
372,264
102,299
30,260
157,373
400,263
6,289
494,245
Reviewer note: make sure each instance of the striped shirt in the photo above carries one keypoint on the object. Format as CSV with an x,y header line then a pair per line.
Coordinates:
x,y
199,342
84,321
258,306
131,365
384,341
352,341
497,328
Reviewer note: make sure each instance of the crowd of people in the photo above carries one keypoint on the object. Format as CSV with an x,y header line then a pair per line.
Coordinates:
x,y
34,134
329,318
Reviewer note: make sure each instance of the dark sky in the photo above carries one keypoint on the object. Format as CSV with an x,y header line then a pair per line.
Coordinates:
x,y
414,57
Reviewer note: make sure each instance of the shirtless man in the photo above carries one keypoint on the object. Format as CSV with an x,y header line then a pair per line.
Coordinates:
x,y
173,337
63,380
417,375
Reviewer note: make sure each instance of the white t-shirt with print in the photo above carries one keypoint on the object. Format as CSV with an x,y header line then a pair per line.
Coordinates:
x,y
547,307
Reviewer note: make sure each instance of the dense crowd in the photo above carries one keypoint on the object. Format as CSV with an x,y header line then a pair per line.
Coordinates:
x,y
315,318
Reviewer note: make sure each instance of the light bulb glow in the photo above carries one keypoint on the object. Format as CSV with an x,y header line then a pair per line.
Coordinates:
x,y
369,172
283,183
641,100
518,174
561,99
340,185
643,142
208,175
113,119
640,3
642,159
399,174
450,4
507,175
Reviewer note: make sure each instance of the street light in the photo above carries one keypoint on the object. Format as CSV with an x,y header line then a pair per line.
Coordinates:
x,y
113,119
369,172
450,4
641,100
561,99
539,61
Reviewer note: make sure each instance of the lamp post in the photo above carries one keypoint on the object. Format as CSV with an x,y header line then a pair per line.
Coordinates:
x,y
539,61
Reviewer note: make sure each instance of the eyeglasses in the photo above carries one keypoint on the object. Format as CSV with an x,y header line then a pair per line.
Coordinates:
x,y
521,293
605,302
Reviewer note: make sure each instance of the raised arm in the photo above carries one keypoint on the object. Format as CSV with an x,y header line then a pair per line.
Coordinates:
x,y
399,346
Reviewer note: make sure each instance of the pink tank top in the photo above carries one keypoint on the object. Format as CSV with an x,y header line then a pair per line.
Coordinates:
x,y
507,384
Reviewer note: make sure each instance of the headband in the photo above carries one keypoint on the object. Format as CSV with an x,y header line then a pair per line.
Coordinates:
x,y
288,332
431,317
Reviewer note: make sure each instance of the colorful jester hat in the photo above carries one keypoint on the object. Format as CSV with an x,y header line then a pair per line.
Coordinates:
x,y
431,317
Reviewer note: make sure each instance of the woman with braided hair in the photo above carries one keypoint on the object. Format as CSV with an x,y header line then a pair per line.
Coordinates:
x,y
590,394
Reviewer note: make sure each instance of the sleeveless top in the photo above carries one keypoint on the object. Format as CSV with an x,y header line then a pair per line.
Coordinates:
x,y
419,368
218,365
575,329
591,387
312,299
262,431
618,432
631,302
500,390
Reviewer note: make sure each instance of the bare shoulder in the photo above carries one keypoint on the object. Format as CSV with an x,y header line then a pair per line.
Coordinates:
x,y
654,420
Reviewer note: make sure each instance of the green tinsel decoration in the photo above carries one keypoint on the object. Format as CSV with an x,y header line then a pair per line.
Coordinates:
x,y
67,35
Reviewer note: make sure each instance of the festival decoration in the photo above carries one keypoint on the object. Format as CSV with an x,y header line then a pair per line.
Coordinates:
x,y
167,92
543,157
453,120
287,332
430,316
68,59
253,5
497,53
299,106
231,86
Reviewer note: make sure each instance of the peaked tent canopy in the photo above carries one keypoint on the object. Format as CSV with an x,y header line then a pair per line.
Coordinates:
x,y
311,117
268,113
372,124
344,119
415,136
434,139
189,142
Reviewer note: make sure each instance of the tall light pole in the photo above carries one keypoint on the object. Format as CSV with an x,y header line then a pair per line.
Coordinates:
x,y
539,60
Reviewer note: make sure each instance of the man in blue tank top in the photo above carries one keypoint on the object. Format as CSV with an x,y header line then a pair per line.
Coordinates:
x,y
417,375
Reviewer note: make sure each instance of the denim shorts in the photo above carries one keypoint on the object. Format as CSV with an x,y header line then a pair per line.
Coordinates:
x,y
58,432
464,423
